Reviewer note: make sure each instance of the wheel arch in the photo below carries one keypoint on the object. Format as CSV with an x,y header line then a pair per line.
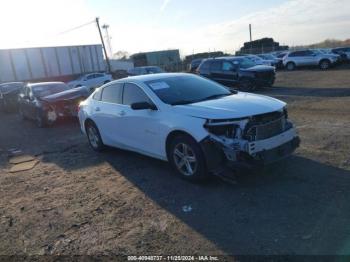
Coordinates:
x,y
325,60
172,135
88,121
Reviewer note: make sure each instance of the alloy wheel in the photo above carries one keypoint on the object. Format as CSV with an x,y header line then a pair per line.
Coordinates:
x,y
93,136
185,159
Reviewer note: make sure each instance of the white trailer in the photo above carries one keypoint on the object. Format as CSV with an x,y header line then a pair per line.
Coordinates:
x,y
28,64
120,65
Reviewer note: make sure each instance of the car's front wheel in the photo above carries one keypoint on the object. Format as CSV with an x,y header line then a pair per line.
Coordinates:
x,y
291,66
41,119
325,64
186,156
94,137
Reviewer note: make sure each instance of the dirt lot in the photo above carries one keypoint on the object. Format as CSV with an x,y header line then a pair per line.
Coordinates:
x,y
75,201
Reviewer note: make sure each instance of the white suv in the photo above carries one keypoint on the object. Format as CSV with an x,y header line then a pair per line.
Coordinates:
x,y
91,81
192,122
309,58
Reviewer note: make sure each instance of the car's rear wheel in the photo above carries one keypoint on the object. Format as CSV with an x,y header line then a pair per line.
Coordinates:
x,y
246,85
186,156
291,66
94,137
325,64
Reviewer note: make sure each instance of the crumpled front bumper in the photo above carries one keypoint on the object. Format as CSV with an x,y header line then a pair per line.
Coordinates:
x,y
251,154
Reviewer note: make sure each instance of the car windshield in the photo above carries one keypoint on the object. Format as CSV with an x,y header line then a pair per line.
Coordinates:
x,y
154,70
5,88
244,63
180,90
49,89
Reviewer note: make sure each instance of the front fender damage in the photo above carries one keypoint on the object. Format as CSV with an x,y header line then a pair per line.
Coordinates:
x,y
231,142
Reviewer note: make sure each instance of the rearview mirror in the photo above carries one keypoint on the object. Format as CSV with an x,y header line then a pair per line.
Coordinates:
x,y
143,106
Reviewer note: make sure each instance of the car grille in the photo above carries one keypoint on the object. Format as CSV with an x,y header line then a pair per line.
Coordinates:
x,y
269,126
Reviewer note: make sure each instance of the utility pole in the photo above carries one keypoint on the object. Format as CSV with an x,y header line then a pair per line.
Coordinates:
x,y
105,27
250,32
103,45
251,39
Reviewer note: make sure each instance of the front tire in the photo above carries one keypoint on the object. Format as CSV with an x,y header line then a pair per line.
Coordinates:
x,y
187,158
291,66
21,113
41,120
325,64
94,137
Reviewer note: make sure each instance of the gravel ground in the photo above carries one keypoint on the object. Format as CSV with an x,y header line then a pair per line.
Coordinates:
x,y
78,202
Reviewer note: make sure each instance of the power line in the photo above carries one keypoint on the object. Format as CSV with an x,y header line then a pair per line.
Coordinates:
x,y
77,27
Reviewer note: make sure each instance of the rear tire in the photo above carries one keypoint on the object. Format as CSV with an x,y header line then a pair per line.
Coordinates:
x,y
187,158
325,64
290,66
94,137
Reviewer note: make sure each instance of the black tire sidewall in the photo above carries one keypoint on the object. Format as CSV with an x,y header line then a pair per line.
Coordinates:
x,y
201,173
100,146
292,64
40,119
328,64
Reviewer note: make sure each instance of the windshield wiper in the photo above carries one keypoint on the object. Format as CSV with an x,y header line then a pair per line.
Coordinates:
x,y
213,97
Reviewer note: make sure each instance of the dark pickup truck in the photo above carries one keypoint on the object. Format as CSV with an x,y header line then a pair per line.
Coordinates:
x,y
237,72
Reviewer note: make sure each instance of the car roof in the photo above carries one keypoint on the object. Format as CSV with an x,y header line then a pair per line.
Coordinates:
x,y
225,58
12,83
44,84
147,67
151,77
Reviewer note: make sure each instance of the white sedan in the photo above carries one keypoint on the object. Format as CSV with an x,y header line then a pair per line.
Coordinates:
x,y
195,124
91,81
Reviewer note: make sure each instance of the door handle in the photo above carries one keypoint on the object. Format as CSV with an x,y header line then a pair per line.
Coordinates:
x,y
97,109
122,113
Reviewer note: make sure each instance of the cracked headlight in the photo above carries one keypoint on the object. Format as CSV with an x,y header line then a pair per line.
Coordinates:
x,y
227,130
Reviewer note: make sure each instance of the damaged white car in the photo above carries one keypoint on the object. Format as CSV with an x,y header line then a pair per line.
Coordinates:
x,y
194,123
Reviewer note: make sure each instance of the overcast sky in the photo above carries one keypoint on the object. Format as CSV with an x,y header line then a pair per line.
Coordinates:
x,y
190,25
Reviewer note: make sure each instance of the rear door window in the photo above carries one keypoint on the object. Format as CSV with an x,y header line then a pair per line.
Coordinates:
x,y
216,66
112,93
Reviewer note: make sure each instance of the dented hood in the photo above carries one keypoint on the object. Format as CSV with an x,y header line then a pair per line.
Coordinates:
x,y
71,94
240,105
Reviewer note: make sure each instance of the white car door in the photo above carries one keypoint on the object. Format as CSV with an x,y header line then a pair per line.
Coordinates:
x,y
107,114
141,130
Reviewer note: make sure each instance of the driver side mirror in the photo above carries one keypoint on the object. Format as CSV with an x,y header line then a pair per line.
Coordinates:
x,y
143,106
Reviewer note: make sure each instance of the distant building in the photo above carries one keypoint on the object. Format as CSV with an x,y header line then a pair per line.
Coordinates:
x,y
169,60
189,58
264,45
